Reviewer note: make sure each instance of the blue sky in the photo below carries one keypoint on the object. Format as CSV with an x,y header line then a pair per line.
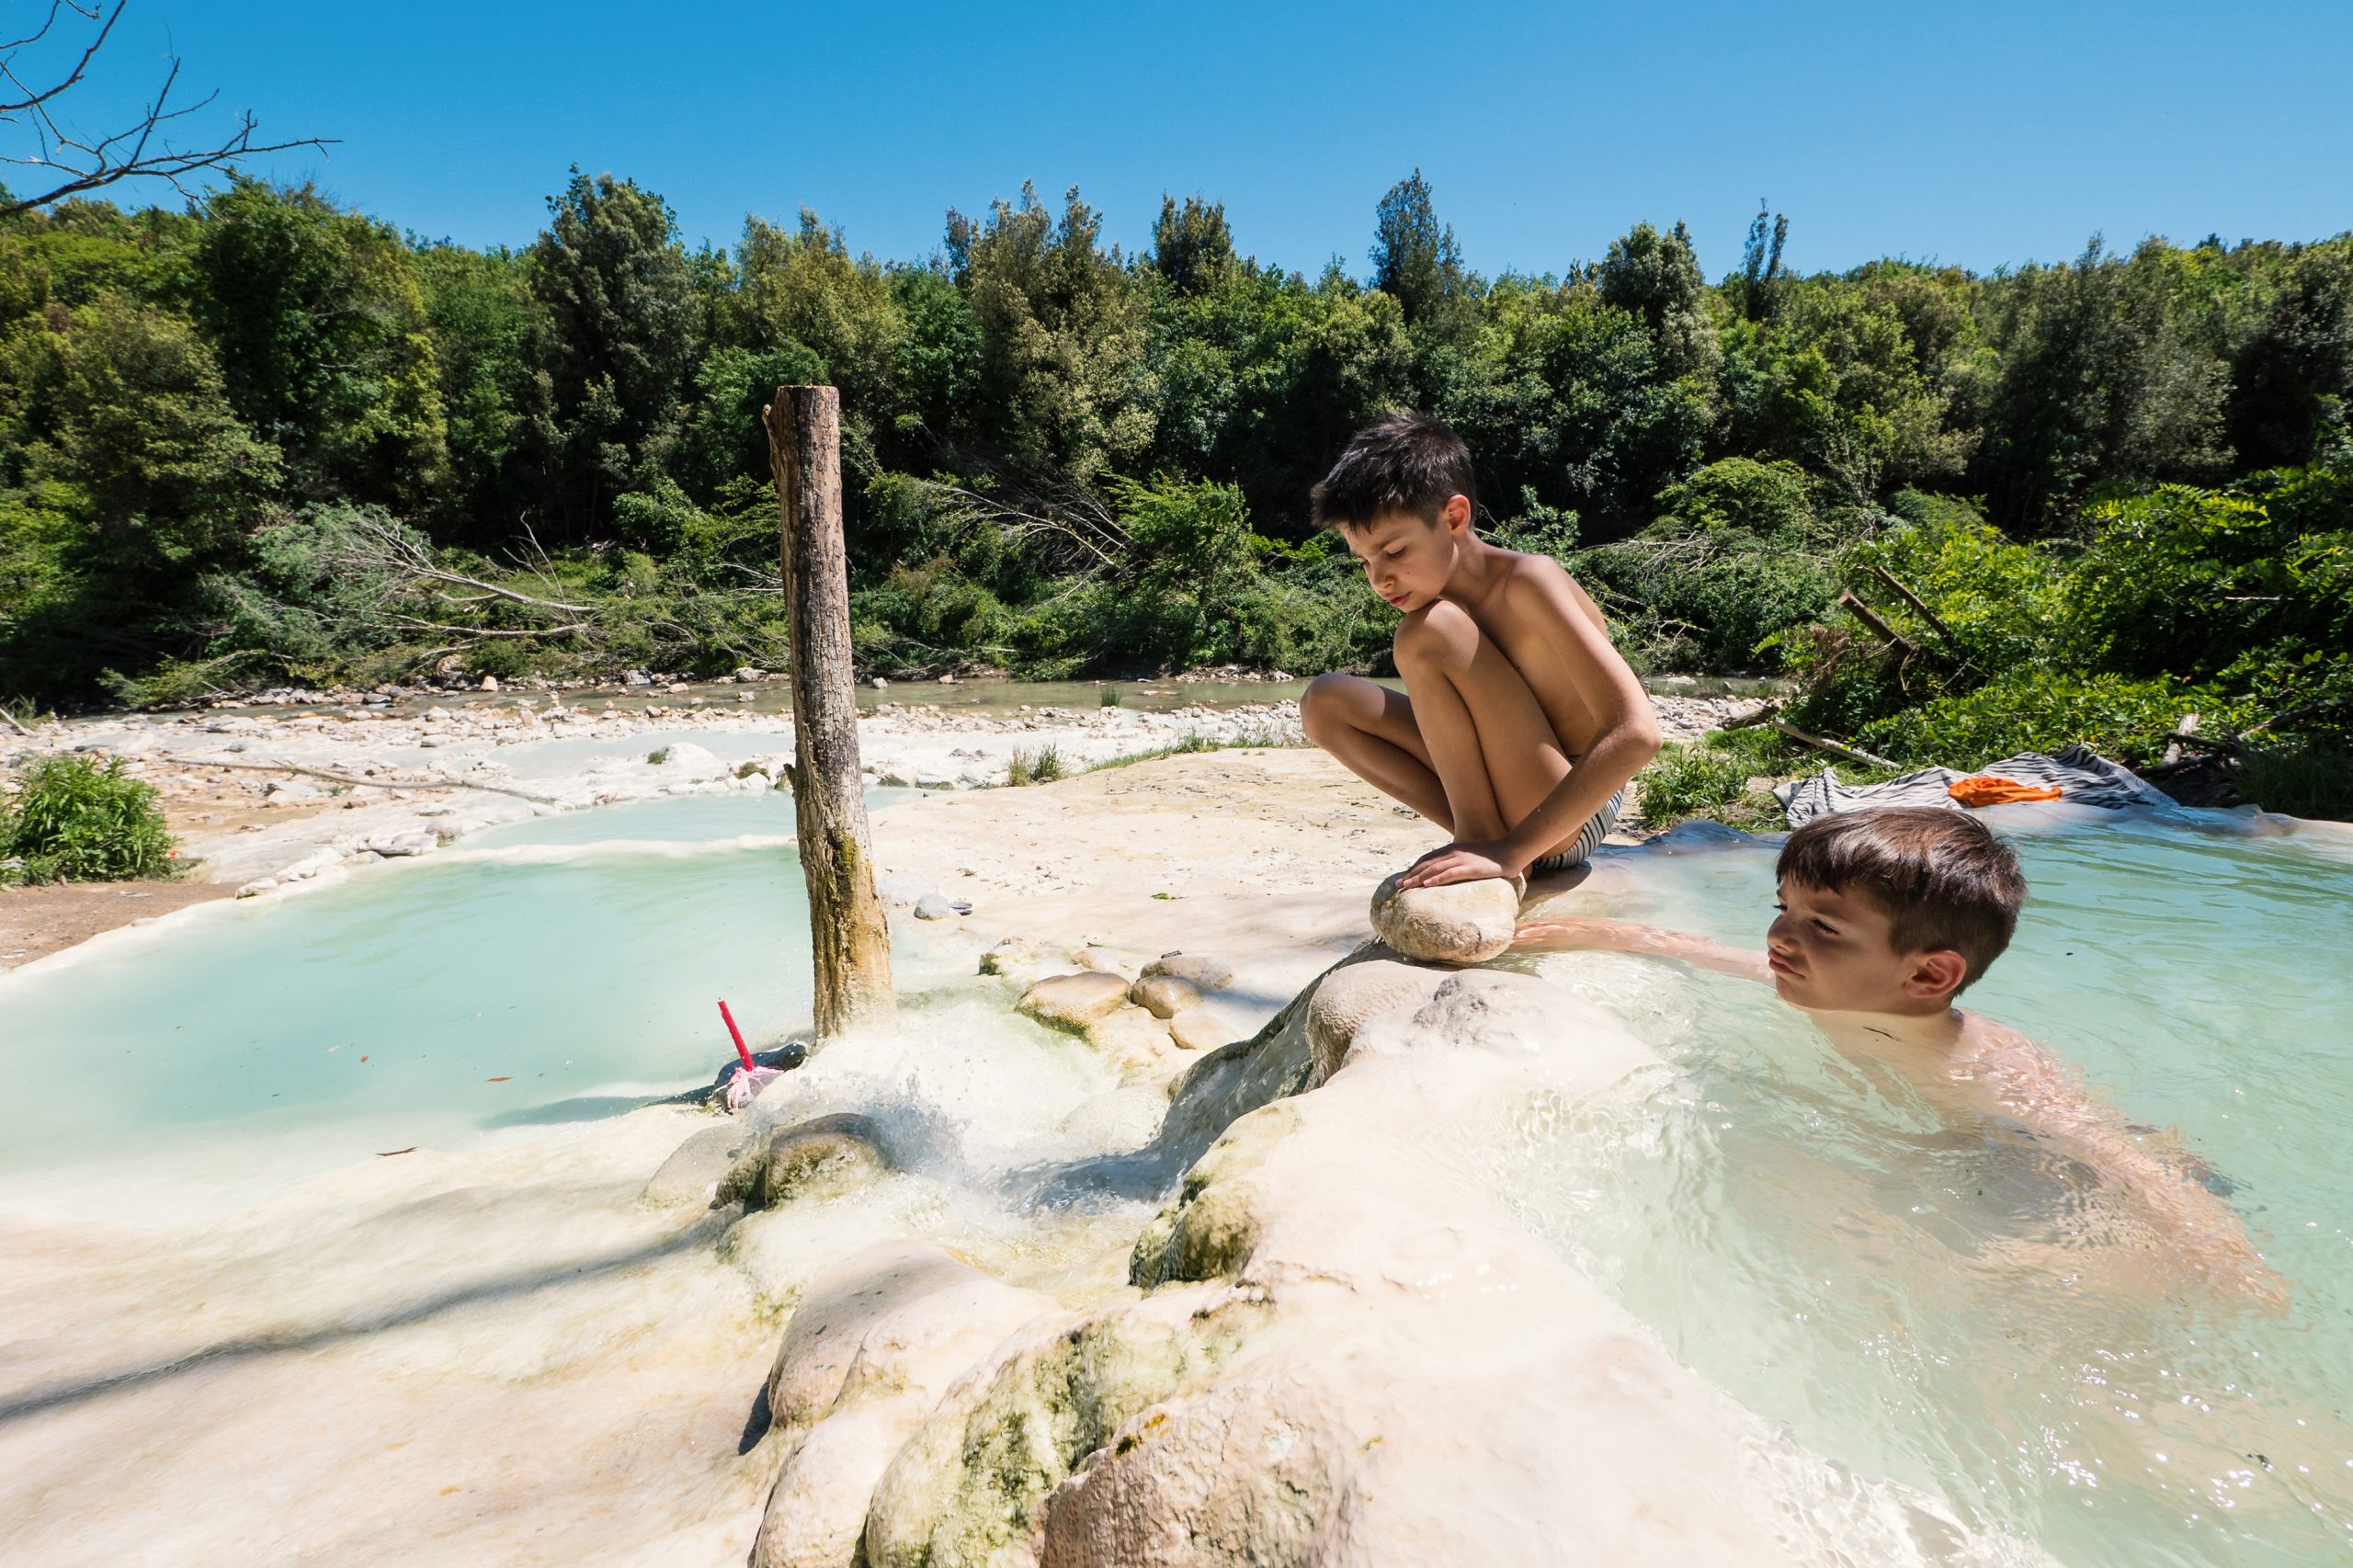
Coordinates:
x,y
1979,135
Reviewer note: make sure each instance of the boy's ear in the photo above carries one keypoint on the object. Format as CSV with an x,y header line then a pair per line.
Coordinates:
x,y
1455,515
1936,974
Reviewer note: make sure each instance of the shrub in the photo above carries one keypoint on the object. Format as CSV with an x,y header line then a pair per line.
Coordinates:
x,y
1690,780
2035,710
76,819
2307,781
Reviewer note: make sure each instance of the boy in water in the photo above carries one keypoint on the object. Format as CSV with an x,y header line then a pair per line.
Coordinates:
x,y
1886,915
1520,725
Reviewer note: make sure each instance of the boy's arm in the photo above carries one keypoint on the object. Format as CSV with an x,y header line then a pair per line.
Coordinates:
x,y
1626,736
1623,937
2148,1168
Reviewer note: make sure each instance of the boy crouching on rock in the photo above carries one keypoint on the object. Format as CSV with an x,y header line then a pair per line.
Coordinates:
x,y
1520,725
1885,916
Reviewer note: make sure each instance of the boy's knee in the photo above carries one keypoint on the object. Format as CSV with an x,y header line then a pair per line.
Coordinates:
x,y
1322,707
1436,635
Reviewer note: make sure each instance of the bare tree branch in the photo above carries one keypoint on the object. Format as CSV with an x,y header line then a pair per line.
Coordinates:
x,y
75,164
1079,519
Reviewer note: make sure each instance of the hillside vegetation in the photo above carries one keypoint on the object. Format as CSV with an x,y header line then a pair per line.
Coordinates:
x,y
269,440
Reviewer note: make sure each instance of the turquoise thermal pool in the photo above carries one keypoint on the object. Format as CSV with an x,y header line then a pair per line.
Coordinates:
x,y
1930,1302
548,971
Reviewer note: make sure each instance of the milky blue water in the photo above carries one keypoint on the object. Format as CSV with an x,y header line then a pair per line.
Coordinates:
x,y
551,970
1924,1297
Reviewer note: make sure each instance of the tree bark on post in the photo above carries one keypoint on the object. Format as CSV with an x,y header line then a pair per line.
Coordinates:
x,y
847,930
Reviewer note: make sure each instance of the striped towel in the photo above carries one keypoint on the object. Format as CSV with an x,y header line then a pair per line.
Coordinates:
x,y
2082,778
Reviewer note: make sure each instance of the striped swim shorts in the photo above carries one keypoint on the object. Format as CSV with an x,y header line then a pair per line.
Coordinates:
x,y
1589,838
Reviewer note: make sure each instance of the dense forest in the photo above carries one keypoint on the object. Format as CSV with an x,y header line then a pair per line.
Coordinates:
x,y
265,440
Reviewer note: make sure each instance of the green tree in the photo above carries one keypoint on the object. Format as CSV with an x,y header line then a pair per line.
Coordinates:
x,y
483,320
2104,375
1656,277
1062,384
320,324
805,287
1415,260
1191,246
130,476
619,330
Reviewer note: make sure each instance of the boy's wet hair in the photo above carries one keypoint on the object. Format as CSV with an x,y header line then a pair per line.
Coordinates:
x,y
1404,461
1944,880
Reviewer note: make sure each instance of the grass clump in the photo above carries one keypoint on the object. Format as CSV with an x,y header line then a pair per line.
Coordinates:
x,y
77,820
1041,766
658,755
1110,698
1193,741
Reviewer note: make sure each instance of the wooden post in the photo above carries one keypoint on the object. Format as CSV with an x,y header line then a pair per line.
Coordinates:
x,y
848,930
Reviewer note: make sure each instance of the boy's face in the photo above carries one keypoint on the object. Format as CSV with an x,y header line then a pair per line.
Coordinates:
x,y
1408,559
1834,952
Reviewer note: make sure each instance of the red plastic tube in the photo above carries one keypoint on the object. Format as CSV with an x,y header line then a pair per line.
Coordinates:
x,y
741,1048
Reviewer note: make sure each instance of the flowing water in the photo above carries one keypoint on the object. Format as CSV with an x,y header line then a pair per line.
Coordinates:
x,y
1924,1299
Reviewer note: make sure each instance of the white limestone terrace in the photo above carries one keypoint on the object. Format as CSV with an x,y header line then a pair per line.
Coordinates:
x,y
252,806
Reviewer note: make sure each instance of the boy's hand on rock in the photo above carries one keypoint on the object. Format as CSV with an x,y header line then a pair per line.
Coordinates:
x,y
1458,863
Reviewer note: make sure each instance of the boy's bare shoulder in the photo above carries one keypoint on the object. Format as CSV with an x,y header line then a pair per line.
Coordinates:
x,y
1540,587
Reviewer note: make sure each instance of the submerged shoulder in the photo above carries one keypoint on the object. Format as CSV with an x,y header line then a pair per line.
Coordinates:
x,y
2003,1049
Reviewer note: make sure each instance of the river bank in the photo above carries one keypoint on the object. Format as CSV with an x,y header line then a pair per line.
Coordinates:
x,y
243,790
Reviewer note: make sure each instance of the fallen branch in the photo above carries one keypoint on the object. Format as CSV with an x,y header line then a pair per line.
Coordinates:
x,y
1848,753
363,783
1920,608
1879,628
10,719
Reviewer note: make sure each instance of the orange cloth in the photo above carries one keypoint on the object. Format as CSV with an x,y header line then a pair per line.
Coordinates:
x,y
1991,790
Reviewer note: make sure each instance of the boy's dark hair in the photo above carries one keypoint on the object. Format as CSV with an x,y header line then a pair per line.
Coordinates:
x,y
1944,881
1404,461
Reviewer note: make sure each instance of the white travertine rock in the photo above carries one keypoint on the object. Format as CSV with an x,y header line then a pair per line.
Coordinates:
x,y
822,1158
1351,996
873,1345
1010,956
1455,923
1074,1001
1203,1029
1104,961
1134,1040
692,761
696,1167
1205,972
1165,994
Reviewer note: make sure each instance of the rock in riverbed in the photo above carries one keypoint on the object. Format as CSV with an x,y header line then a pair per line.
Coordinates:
x,y
1197,970
696,1167
1457,923
1165,994
1074,1001
1351,996
828,1155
